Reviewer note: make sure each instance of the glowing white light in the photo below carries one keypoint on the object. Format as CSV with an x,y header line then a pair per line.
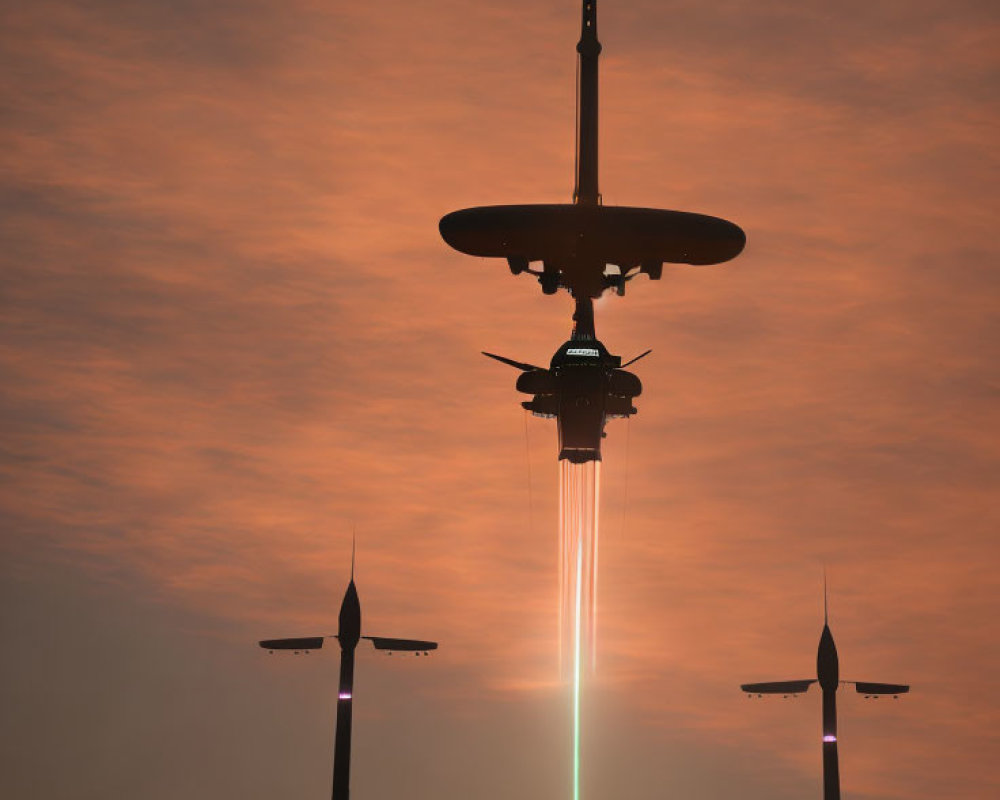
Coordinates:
x,y
829,738
344,695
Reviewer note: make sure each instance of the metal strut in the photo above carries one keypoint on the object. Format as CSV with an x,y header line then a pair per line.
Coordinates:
x,y
583,320
586,192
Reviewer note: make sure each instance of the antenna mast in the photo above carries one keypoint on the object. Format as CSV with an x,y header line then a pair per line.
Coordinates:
x,y
826,616
589,48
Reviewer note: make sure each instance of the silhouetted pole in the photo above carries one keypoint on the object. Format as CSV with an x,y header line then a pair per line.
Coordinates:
x,y
586,143
831,767
828,672
342,745
349,636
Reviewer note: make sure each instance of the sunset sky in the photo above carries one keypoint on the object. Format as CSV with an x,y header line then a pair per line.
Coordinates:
x,y
231,334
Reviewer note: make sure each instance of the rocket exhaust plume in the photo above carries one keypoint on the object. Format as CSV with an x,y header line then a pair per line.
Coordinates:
x,y
579,504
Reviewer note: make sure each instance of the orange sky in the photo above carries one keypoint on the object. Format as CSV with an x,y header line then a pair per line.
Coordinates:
x,y
231,332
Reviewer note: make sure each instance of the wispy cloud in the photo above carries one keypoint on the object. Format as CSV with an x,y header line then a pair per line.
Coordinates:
x,y
231,333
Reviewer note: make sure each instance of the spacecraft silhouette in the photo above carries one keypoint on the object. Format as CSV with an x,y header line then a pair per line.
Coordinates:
x,y
583,387
828,677
348,636
587,247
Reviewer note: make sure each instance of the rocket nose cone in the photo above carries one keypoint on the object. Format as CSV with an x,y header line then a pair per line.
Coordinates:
x,y
827,662
350,597
350,616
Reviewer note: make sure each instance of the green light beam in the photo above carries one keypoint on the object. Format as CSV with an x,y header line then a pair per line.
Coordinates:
x,y
576,670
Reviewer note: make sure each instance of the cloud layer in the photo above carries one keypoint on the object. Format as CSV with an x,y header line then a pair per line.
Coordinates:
x,y
231,334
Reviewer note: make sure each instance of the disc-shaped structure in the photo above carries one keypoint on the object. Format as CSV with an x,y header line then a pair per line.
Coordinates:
x,y
563,235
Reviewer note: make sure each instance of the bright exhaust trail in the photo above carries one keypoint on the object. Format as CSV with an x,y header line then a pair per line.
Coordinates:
x,y
579,503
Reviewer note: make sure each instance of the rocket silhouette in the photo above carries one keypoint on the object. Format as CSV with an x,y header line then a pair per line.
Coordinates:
x,y
348,636
828,677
